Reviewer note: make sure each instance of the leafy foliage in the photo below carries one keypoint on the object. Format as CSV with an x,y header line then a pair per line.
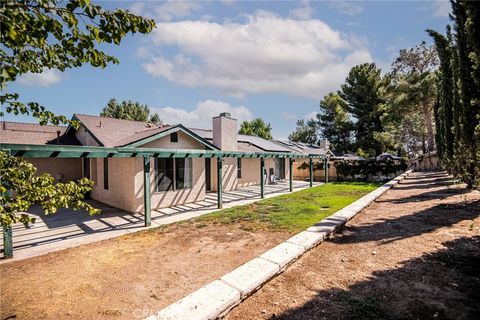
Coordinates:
x,y
306,132
410,98
457,112
256,127
20,189
367,168
362,95
335,123
130,110
40,35
46,34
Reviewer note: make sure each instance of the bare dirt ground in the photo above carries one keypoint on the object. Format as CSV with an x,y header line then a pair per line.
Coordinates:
x,y
130,277
415,254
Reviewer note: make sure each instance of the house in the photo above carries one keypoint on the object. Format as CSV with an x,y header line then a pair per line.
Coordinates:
x,y
300,169
120,181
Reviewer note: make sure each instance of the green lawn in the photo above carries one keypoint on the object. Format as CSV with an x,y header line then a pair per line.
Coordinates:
x,y
292,212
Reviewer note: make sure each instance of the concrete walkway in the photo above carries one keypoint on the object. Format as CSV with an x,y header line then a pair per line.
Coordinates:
x,y
68,228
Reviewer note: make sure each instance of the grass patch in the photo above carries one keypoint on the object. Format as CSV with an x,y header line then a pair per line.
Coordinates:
x,y
363,308
292,212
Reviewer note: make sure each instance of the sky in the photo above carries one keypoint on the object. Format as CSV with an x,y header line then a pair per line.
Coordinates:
x,y
269,59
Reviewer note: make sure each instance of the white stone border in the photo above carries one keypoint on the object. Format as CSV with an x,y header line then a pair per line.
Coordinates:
x,y
217,298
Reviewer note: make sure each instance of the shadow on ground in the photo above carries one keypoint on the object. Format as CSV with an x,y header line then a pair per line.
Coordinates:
x,y
424,221
413,291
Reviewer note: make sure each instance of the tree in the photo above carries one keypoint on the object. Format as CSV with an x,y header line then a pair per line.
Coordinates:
x,y
40,35
410,96
130,110
256,127
306,132
459,93
361,92
46,34
334,122
155,118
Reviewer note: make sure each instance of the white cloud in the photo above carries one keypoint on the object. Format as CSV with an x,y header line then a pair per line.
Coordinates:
x,y
176,9
202,116
44,79
167,10
267,53
441,8
304,11
348,8
288,116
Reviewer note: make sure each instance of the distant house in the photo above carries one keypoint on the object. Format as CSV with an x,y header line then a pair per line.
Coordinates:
x,y
119,181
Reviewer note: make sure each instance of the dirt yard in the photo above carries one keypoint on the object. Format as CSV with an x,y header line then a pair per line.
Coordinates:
x,y
415,254
130,277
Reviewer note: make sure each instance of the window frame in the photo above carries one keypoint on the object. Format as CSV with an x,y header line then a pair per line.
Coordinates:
x,y
105,173
239,168
174,137
174,183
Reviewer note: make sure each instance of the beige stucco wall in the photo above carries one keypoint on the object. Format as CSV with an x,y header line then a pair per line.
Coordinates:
x,y
85,137
229,174
61,169
121,177
172,197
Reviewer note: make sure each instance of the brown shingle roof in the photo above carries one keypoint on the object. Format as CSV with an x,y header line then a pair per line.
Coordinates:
x,y
33,133
112,132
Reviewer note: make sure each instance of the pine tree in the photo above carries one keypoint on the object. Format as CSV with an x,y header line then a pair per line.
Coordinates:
x,y
361,93
334,122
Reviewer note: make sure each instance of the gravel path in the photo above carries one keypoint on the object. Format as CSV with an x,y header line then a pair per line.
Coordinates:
x,y
414,254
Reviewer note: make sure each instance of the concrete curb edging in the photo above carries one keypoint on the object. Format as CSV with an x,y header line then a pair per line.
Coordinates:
x,y
217,298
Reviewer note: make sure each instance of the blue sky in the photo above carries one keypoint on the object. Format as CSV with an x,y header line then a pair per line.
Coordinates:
x,y
268,59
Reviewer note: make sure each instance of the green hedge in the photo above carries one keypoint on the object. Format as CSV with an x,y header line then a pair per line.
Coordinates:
x,y
351,169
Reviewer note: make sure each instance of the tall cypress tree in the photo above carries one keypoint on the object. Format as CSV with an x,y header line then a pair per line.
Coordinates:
x,y
458,110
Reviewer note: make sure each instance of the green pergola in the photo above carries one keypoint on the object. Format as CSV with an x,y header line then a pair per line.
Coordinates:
x,y
64,151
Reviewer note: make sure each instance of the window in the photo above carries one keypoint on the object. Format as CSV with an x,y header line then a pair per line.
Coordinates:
x,y
173,174
174,137
239,168
105,173
183,173
164,174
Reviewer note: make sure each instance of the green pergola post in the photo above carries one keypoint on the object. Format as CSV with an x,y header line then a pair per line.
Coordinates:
x,y
310,167
290,174
325,166
262,179
219,182
147,202
7,242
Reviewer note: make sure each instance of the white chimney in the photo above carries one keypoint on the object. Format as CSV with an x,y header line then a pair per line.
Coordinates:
x,y
225,132
324,144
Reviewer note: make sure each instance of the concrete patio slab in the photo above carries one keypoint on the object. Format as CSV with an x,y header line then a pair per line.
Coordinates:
x,y
69,228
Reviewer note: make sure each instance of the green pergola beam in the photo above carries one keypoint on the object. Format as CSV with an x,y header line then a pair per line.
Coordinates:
x,y
147,203
325,164
310,167
262,178
219,183
290,174
62,151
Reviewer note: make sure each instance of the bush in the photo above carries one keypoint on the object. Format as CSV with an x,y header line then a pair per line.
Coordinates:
x,y
366,168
